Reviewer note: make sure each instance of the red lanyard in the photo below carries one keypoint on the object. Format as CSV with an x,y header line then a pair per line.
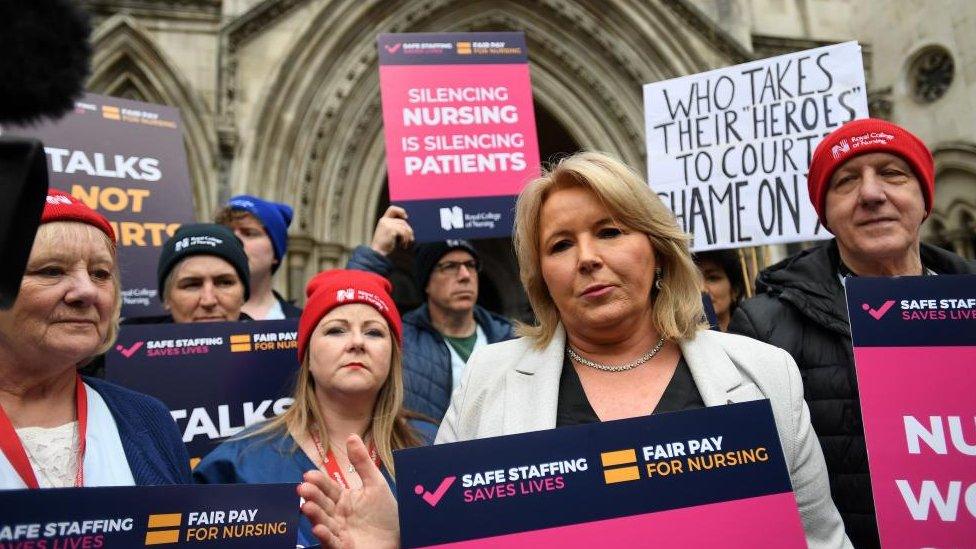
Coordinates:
x,y
17,456
332,464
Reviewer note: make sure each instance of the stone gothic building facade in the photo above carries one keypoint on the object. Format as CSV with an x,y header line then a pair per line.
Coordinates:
x,y
280,98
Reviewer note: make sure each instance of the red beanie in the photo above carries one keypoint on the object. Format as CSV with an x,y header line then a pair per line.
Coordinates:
x,y
868,135
61,206
330,289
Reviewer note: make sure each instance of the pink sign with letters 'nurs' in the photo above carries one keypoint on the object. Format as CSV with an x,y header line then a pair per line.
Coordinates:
x,y
915,354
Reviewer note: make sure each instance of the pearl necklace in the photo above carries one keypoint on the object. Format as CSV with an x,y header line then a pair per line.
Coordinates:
x,y
623,367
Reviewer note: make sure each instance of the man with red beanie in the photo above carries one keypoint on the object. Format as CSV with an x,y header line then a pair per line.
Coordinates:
x,y
872,183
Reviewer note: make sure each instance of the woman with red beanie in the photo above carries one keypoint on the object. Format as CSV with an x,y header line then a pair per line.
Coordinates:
x,y
57,428
350,382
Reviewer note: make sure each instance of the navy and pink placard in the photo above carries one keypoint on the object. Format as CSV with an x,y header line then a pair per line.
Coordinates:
x,y
713,477
915,354
239,516
126,160
216,378
460,130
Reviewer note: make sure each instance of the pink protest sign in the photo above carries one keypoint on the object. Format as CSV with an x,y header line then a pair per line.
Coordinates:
x,y
915,354
460,130
712,477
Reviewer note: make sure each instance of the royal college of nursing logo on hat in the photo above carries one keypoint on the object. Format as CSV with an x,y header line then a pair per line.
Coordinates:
x,y
188,241
870,138
56,199
840,149
241,203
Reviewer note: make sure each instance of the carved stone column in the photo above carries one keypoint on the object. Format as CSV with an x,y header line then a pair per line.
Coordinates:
x,y
299,254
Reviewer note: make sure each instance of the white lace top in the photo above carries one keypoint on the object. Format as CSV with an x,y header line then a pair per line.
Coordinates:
x,y
53,452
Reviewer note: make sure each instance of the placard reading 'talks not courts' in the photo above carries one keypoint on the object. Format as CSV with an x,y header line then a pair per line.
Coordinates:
x,y
710,477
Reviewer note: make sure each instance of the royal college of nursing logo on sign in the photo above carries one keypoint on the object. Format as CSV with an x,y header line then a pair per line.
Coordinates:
x,y
452,218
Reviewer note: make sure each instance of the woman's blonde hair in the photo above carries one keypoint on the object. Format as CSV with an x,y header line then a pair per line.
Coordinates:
x,y
56,234
677,310
389,428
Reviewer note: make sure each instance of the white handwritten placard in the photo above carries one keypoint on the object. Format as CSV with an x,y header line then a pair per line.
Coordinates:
x,y
728,150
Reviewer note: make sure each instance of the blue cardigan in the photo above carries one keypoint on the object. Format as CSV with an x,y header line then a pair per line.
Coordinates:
x,y
270,458
152,443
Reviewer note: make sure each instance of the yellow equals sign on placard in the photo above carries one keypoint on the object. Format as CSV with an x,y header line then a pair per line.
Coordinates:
x,y
168,520
620,474
464,48
111,113
240,343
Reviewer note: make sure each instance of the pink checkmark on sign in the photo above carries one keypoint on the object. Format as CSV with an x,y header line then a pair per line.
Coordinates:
x,y
130,351
880,311
435,498
393,48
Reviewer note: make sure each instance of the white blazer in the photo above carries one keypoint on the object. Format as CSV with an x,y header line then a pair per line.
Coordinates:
x,y
511,387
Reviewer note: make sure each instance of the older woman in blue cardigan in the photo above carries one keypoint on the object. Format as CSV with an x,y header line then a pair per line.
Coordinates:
x,y
58,429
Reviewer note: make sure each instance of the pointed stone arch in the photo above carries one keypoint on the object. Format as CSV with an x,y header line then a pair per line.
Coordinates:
x,y
127,63
316,139
953,218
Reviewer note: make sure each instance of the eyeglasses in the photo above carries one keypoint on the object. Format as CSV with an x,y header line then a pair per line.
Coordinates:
x,y
454,267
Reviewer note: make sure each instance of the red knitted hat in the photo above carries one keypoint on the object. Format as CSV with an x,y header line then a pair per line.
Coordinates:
x,y
864,136
61,206
330,289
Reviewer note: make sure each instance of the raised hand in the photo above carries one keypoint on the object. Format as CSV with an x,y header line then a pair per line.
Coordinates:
x,y
391,229
361,518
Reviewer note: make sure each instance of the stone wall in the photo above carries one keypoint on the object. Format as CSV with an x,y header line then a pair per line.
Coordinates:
x,y
281,97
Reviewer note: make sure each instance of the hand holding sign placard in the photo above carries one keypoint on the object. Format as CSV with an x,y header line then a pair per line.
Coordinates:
x,y
915,352
618,482
460,142
728,149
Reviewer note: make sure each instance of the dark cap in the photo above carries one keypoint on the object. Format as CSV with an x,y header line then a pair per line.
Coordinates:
x,y
427,256
204,239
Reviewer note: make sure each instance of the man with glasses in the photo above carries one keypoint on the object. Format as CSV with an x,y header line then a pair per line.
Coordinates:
x,y
440,335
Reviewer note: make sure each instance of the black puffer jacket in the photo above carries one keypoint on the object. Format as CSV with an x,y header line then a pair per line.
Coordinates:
x,y
800,307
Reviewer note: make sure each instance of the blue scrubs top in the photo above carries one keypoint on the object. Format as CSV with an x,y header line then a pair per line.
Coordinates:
x,y
274,458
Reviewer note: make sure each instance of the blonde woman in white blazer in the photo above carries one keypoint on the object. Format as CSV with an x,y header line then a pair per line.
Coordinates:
x,y
617,300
